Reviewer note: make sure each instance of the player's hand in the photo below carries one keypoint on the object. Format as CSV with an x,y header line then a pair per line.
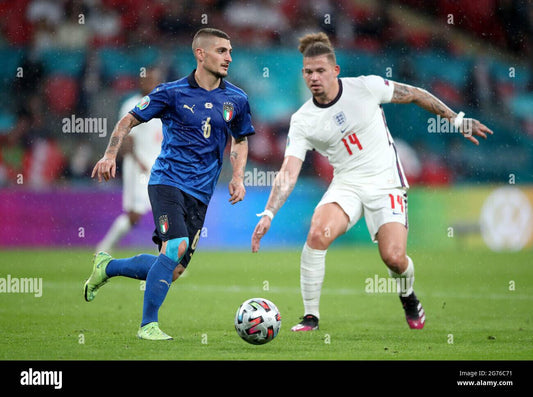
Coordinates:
x,y
260,230
236,190
105,168
472,127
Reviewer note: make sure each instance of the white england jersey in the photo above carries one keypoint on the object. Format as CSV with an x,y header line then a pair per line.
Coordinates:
x,y
147,137
352,133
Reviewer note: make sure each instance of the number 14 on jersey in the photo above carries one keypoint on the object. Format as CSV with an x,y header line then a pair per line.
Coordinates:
x,y
350,142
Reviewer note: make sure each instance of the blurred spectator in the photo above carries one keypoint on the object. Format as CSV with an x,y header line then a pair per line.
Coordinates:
x,y
144,30
14,24
303,21
48,11
12,151
434,171
24,85
516,18
44,35
74,33
44,163
105,24
38,126
80,163
29,154
175,22
256,22
480,86
377,24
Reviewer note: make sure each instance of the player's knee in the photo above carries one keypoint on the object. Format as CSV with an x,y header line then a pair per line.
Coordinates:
x,y
319,238
176,248
395,259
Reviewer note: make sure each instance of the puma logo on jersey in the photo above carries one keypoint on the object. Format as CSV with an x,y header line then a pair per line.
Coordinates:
x,y
190,108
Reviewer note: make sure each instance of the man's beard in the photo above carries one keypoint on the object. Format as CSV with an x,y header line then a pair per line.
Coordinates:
x,y
217,74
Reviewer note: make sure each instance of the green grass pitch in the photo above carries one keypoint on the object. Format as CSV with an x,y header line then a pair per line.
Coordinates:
x,y
478,306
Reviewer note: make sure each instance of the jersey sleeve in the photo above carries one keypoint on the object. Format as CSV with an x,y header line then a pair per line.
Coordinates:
x,y
242,124
152,105
382,89
297,143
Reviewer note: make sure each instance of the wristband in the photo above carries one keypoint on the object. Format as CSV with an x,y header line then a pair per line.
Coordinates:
x,y
267,213
458,120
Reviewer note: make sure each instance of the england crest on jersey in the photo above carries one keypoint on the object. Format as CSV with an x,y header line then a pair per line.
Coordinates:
x,y
228,111
340,118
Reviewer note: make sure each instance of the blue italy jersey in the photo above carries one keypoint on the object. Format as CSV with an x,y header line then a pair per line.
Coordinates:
x,y
196,126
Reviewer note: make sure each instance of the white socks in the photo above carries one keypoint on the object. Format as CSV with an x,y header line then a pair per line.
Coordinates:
x,y
312,272
118,229
405,280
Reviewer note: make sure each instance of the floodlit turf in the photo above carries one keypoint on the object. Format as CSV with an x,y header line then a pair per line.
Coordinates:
x,y
478,305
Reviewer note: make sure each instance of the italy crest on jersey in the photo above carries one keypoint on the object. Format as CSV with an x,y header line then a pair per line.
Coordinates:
x,y
163,224
228,111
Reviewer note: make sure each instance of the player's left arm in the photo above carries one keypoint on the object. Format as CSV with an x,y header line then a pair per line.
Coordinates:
x,y
238,158
404,93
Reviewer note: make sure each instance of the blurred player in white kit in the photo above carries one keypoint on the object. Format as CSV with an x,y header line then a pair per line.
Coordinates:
x,y
141,147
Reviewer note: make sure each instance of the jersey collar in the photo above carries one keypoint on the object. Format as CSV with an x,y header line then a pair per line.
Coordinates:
x,y
192,81
333,102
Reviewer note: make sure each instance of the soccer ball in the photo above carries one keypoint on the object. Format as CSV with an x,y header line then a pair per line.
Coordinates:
x,y
257,321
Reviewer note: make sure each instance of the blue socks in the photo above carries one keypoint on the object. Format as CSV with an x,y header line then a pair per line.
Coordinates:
x,y
136,267
158,282
156,270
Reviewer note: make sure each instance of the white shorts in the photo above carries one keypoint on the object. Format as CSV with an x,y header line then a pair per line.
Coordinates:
x,y
135,187
377,206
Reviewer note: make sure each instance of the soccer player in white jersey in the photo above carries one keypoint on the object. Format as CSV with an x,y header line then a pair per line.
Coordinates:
x,y
344,121
141,147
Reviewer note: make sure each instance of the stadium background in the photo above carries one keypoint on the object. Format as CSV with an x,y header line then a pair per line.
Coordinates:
x,y
63,59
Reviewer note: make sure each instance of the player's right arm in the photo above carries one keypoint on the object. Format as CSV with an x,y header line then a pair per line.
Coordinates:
x,y
283,185
106,167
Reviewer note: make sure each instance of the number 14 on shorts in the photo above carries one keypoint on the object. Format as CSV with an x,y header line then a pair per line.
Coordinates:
x,y
397,203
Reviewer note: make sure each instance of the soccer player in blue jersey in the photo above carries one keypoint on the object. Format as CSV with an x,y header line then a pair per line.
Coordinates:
x,y
199,113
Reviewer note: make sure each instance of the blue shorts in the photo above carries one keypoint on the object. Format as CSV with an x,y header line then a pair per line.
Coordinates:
x,y
176,215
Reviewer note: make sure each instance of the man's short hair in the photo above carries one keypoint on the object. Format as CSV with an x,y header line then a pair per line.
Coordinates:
x,y
204,32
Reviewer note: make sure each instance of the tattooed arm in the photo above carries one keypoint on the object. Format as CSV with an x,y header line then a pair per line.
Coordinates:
x,y
404,93
283,185
238,158
106,166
